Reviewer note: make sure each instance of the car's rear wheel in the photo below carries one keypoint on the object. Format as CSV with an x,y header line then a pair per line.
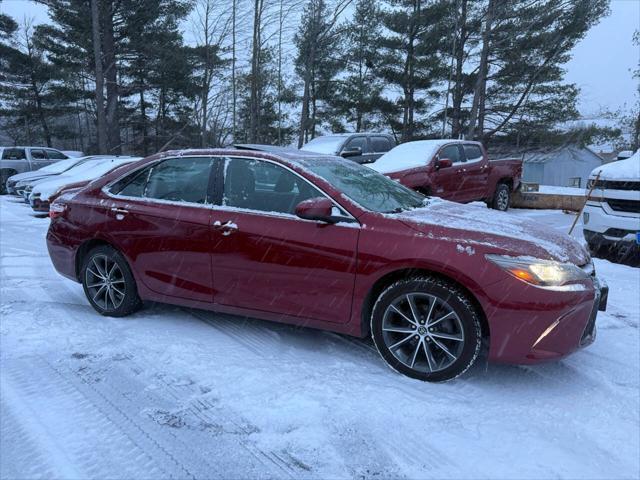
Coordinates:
x,y
501,198
426,328
108,282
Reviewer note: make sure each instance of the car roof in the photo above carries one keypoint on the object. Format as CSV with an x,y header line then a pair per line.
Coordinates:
x,y
29,146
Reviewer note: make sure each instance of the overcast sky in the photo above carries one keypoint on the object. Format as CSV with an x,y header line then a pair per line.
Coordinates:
x,y
602,63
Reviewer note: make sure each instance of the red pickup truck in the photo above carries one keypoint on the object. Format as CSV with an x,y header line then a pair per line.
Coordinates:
x,y
457,170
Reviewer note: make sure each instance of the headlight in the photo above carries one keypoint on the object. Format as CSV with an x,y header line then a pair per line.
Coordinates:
x,y
542,273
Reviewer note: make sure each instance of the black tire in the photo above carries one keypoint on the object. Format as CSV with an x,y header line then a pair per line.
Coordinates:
x,y
501,198
121,292
463,323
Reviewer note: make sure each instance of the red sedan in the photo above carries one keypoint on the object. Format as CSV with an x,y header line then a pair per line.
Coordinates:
x,y
330,244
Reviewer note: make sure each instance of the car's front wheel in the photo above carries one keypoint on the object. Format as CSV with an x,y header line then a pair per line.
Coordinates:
x,y
108,283
426,328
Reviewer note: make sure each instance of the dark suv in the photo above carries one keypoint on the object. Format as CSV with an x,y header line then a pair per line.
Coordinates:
x,y
359,147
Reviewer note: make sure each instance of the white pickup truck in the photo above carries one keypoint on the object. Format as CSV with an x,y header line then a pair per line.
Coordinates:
x,y
611,217
15,160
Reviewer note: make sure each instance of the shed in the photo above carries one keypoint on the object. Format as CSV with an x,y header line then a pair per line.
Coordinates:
x,y
566,166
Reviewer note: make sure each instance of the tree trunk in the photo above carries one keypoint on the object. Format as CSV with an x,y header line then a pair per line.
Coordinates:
x,y
304,115
101,120
458,92
111,78
143,120
254,110
483,70
233,67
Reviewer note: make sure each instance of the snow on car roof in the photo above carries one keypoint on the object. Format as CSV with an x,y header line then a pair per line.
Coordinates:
x,y
628,169
409,155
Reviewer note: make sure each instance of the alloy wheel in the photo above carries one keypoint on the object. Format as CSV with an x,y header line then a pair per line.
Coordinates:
x,y
105,282
503,199
423,332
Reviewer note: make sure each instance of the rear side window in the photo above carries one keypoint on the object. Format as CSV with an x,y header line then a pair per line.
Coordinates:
x,y
380,144
177,179
38,154
473,153
56,155
452,152
13,154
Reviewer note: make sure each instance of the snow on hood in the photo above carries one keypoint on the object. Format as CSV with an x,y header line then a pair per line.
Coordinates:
x,y
501,231
628,169
82,173
408,155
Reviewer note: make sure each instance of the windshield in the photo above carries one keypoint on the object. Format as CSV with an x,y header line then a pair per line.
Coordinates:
x,y
366,187
329,144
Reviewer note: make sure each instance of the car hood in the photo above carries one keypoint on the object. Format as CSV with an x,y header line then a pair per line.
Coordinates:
x,y
26,176
493,231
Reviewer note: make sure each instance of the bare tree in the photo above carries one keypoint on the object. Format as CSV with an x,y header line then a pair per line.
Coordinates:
x,y
101,130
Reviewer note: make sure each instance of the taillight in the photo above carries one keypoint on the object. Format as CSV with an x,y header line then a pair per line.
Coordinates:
x,y
57,210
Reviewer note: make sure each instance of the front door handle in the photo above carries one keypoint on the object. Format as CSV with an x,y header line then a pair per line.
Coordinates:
x,y
227,228
120,212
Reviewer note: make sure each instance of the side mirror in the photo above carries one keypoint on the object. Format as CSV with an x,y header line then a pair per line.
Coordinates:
x,y
318,208
443,163
352,152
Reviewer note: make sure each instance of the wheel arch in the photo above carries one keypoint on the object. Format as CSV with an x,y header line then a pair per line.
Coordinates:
x,y
85,248
390,277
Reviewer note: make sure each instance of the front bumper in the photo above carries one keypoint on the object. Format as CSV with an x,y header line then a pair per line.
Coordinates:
x,y
533,325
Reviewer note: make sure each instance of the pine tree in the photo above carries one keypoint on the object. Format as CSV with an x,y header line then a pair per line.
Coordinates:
x,y
359,96
410,58
317,62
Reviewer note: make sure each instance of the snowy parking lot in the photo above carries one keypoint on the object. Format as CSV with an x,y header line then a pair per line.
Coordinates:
x,y
177,393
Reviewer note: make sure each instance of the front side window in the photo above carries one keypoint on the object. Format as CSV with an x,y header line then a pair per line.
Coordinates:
x,y
452,152
38,154
176,179
380,144
264,186
357,142
13,154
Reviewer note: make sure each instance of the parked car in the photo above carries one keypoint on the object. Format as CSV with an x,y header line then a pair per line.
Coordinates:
x,y
359,147
611,217
25,159
457,170
42,193
329,244
22,180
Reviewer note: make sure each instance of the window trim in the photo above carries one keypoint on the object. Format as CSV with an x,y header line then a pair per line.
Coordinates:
x,y
348,219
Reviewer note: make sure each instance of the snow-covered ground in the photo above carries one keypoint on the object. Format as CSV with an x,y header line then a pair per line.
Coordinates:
x,y
172,392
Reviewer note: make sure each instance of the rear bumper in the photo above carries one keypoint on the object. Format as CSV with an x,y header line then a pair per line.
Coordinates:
x,y
62,253
524,331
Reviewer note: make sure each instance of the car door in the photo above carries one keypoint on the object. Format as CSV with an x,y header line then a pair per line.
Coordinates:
x,y
39,158
161,219
449,182
476,175
265,258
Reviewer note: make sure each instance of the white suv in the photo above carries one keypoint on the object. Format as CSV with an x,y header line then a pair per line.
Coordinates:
x,y
611,217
